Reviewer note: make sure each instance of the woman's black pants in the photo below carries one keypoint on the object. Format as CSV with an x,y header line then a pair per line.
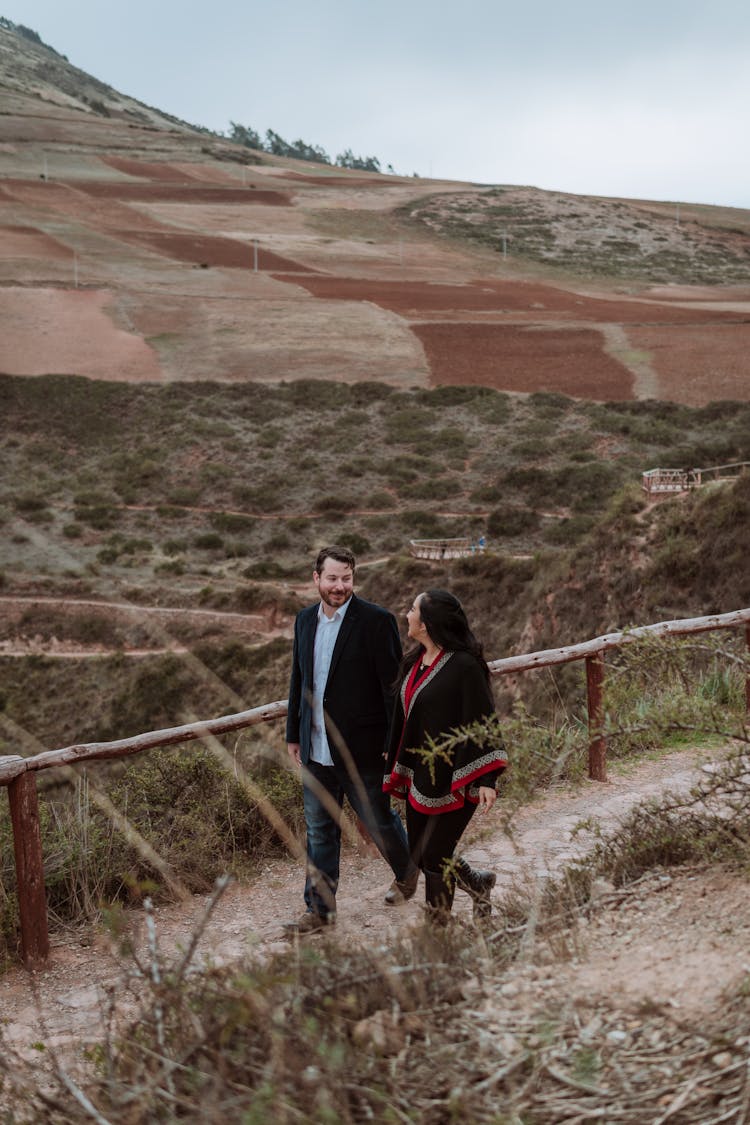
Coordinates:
x,y
432,842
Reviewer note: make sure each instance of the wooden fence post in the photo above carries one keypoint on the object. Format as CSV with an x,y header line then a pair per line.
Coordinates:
x,y
27,845
595,697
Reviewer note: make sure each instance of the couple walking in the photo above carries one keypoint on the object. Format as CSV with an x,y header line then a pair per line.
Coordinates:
x,y
360,712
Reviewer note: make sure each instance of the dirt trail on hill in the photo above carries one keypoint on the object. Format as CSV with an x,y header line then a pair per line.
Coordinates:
x,y
659,943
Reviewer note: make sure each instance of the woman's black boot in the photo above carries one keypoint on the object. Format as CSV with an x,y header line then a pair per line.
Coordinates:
x,y
478,884
439,891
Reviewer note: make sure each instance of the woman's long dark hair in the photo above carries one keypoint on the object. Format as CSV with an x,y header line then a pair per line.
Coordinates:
x,y
443,616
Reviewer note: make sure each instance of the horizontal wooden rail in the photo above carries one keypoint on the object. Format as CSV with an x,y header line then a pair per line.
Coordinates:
x,y
12,766
18,773
677,628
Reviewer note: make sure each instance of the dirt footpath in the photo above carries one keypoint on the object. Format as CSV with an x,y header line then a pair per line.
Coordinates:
x,y
656,944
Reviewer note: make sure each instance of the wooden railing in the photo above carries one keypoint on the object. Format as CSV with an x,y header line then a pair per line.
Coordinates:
x,y
19,774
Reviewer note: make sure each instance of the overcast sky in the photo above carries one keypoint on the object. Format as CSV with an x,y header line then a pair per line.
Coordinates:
x,y
643,99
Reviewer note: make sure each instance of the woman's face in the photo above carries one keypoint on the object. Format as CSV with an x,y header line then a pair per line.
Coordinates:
x,y
416,629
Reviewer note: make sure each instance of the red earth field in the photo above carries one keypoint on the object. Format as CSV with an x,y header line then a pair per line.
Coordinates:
x,y
143,252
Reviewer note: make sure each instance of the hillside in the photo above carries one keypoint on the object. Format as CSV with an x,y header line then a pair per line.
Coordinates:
x,y
198,339
228,331
135,247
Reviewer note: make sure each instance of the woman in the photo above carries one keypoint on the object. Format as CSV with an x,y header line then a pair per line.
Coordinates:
x,y
445,685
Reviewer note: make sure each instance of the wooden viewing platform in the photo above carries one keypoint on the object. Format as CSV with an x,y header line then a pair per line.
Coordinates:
x,y
682,480
444,548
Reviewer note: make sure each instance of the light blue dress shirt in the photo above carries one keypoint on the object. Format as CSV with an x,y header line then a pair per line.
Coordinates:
x,y
325,639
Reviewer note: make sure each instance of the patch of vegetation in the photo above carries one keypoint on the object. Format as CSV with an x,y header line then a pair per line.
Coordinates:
x,y
606,238
188,821
218,487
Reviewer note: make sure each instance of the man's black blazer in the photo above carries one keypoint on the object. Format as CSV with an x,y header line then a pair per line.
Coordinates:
x,y
360,691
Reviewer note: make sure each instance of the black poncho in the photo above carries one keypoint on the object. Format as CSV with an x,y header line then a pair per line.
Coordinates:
x,y
451,693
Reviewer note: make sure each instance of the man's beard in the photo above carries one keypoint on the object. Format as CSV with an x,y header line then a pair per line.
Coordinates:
x,y
332,599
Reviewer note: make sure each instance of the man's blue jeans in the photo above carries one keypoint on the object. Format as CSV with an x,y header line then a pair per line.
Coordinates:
x,y
372,806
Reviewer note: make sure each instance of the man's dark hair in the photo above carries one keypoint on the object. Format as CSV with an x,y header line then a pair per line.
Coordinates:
x,y
338,554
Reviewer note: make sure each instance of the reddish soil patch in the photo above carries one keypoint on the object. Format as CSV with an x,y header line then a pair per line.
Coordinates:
x,y
210,251
71,333
404,297
534,300
127,192
697,365
149,170
28,242
547,298
513,358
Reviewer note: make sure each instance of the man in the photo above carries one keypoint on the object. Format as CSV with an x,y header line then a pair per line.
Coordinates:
x,y
344,667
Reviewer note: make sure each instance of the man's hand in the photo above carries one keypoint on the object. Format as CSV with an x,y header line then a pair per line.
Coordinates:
x,y
487,798
294,751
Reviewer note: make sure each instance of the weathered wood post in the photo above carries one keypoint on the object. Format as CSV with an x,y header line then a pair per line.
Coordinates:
x,y
27,845
595,697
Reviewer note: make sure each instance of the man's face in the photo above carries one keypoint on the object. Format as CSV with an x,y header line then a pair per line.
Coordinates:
x,y
335,583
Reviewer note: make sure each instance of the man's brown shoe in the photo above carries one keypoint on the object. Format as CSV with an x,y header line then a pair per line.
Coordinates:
x,y
309,923
400,892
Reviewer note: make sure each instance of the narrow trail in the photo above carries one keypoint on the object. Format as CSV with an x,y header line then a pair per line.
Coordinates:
x,y
260,627
62,1005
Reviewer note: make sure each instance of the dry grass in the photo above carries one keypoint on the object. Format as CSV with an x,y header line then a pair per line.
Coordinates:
x,y
431,1029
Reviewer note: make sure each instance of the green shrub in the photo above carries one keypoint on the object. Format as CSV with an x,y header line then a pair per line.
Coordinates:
x,y
278,541
194,813
198,817
270,436
358,544
440,489
335,504
507,521
32,507
184,496
174,566
231,521
209,541
567,531
382,499
101,517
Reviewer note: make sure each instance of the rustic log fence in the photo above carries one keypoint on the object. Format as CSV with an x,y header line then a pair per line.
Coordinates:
x,y
18,774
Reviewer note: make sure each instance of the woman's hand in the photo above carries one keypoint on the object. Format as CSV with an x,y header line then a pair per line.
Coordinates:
x,y
487,798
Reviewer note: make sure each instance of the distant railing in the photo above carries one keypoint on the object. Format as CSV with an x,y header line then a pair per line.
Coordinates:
x,y
437,549
682,480
19,774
